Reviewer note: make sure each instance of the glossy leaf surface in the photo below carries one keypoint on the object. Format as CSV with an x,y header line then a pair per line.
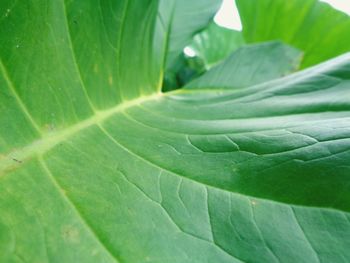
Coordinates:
x,y
96,165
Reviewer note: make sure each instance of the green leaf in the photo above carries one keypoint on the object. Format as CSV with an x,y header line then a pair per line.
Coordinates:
x,y
211,46
257,63
215,43
73,51
309,25
96,165
180,23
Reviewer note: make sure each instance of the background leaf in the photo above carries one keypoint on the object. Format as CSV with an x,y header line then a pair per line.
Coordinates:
x,y
309,25
210,47
179,23
215,43
250,65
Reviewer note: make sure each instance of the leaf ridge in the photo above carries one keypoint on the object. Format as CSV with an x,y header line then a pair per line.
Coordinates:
x,y
19,101
74,207
9,163
267,245
122,27
305,236
193,180
75,59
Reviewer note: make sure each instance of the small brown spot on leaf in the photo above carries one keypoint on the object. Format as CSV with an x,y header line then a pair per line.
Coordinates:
x,y
70,234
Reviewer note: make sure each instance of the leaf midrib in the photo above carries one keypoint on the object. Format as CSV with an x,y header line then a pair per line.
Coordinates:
x,y
17,157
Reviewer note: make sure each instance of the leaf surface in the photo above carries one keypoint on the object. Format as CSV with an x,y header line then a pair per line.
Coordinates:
x,y
215,43
181,20
93,170
309,25
250,65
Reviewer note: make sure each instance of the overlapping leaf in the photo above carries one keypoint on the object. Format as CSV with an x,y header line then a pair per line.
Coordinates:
x,y
309,25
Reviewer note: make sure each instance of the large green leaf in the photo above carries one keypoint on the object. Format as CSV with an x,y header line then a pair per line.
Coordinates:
x,y
309,25
96,165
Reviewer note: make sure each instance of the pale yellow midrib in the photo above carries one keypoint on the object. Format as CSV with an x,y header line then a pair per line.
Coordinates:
x,y
17,157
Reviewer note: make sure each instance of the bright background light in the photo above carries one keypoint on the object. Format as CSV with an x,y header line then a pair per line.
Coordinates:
x,y
228,16
189,52
342,5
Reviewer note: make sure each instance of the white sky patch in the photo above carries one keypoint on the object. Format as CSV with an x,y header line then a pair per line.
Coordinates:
x,y
342,5
228,16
